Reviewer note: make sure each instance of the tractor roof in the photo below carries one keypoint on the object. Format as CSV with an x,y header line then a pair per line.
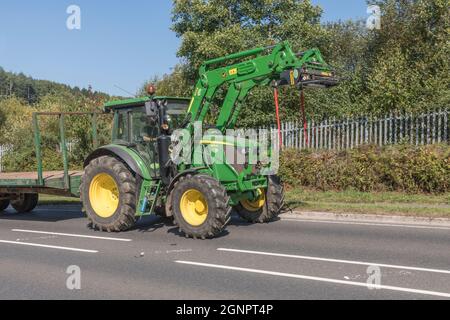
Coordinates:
x,y
137,102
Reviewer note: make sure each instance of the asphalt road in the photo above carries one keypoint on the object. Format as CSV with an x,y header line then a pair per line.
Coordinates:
x,y
286,259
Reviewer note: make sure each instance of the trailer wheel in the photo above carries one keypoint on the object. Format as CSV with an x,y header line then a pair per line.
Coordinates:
x,y
200,206
108,193
4,204
267,206
26,202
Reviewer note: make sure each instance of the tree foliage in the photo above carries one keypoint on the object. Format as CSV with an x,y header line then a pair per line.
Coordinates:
x,y
20,96
32,90
16,131
403,67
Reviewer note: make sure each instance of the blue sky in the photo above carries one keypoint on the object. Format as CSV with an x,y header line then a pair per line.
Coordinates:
x,y
121,43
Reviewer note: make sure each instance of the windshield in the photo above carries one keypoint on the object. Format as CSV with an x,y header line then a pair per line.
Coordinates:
x,y
176,113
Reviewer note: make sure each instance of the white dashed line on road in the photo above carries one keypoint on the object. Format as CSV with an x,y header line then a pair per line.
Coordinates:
x,y
320,279
48,246
72,235
335,260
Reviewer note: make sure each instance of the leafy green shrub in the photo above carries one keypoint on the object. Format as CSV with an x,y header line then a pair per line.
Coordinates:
x,y
370,168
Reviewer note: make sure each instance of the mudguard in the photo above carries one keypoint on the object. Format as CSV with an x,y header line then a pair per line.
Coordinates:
x,y
127,155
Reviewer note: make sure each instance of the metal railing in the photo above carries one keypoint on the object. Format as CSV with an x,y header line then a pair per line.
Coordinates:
x,y
37,140
3,151
420,129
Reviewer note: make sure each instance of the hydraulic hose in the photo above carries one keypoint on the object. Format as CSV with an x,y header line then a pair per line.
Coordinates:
x,y
277,109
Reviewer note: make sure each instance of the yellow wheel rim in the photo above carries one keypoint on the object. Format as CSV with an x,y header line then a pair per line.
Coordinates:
x,y
257,204
104,195
194,207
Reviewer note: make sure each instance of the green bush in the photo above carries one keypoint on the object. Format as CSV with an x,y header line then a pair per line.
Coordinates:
x,y
370,168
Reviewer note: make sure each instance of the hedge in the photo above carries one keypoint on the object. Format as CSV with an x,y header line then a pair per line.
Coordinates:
x,y
405,168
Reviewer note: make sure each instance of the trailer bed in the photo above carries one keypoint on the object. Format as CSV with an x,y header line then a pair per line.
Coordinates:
x,y
53,182
47,175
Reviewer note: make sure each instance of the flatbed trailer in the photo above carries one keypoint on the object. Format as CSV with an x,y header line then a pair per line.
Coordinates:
x,y
28,182
14,185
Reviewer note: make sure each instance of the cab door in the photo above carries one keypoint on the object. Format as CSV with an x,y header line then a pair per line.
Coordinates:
x,y
144,136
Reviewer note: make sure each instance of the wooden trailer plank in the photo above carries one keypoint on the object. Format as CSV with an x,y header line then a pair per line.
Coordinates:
x,y
48,175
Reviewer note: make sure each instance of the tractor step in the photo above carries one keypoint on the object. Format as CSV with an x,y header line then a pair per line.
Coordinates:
x,y
148,202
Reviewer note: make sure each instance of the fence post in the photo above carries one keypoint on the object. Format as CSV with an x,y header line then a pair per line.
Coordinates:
x,y
301,138
385,130
446,126
375,130
317,134
417,130
392,133
439,136
333,134
351,131
402,127
433,128
411,124
338,132
2,151
288,135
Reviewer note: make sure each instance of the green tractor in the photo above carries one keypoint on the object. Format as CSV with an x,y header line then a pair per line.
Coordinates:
x,y
136,175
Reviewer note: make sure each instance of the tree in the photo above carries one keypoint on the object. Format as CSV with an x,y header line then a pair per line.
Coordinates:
x,y
32,90
408,56
214,28
403,67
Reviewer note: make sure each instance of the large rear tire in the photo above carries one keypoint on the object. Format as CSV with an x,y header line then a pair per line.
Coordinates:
x,y
267,206
26,202
200,206
108,192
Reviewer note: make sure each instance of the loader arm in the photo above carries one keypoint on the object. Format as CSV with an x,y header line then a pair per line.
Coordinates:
x,y
275,65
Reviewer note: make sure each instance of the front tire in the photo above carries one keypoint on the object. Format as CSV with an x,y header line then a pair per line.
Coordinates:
x,y
108,192
200,206
267,206
26,202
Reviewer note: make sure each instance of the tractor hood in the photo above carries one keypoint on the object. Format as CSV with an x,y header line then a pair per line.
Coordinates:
x,y
238,142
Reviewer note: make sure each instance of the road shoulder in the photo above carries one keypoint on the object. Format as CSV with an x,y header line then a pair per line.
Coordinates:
x,y
370,218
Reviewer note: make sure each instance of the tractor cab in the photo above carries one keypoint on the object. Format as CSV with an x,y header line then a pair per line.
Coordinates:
x,y
135,128
131,121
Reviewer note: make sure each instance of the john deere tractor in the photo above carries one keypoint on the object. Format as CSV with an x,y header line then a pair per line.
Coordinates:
x,y
136,175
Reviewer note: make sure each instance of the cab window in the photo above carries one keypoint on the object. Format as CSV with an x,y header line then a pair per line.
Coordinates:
x,y
122,133
141,129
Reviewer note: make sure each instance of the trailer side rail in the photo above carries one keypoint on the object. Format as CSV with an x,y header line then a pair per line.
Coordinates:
x,y
37,141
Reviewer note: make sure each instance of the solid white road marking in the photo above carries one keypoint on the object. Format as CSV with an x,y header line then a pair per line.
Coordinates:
x,y
336,260
367,224
48,246
71,235
298,276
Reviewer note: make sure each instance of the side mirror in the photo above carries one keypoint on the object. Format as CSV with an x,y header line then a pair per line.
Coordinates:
x,y
151,109
152,112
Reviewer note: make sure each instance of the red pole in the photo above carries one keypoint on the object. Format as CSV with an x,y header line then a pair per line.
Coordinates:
x,y
277,109
305,123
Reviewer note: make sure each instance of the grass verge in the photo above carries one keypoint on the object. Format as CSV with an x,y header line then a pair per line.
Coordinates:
x,y
387,203
384,203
